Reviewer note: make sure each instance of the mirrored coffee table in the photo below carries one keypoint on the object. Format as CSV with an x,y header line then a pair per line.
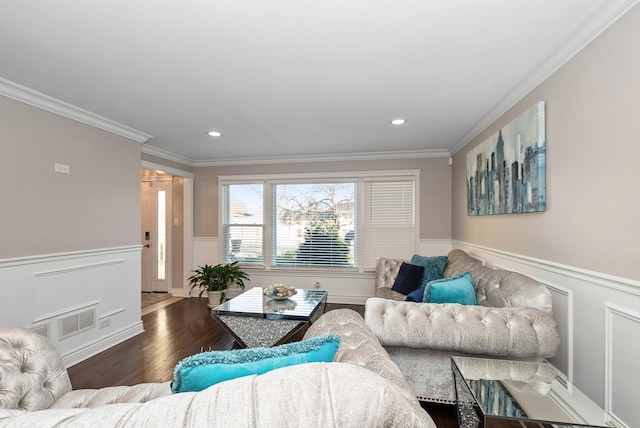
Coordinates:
x,y
255,320
503,393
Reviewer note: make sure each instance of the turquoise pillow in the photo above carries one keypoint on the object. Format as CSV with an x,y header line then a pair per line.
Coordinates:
x,y
457,289
200,371
433,267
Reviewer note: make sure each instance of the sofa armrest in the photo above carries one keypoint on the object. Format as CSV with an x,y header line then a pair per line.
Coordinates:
x,y
387,271
480,330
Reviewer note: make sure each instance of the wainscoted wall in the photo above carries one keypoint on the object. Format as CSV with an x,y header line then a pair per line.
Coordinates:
x,y
84,302
353,288
599,321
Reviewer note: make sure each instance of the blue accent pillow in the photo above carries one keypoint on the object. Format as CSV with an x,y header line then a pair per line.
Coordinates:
x,y
457,289
416,295
200,371
433,267
409,278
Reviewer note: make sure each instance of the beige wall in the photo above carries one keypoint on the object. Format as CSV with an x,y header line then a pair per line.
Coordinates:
x,y
593,152
435,187
96,206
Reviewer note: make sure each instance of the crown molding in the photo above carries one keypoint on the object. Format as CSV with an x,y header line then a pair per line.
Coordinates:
x,y
326,158
163,154
37,99
599,18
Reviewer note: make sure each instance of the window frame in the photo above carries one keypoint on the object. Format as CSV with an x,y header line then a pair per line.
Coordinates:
x,y
269,180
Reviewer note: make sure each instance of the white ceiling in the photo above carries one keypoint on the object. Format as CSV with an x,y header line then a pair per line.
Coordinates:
x,y
295,79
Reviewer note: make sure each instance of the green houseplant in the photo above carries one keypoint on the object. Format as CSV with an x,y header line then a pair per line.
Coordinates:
x,y
217,278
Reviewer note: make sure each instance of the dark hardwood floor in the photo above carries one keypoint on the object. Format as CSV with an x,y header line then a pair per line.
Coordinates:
x,y
170,334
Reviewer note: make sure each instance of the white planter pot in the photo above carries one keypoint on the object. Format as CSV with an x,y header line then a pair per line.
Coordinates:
x,y
214,298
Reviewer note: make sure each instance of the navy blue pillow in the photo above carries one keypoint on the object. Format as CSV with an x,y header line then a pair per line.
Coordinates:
x,y
416,295
409,278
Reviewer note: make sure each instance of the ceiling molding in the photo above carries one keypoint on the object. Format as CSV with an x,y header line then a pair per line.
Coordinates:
x,y
592,25
163,154
166,169
409,154
37,99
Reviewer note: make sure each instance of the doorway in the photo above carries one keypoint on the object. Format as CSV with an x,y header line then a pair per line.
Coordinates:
x,y
156,191
179,224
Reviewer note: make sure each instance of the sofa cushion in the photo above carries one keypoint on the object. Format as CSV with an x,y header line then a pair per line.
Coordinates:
x,y
457,289
433,267
200,371
409,278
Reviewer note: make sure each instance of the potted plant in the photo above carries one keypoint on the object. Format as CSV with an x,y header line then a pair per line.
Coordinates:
x,y
217,279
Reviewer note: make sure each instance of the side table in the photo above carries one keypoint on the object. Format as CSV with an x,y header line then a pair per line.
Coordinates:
x,y
504,393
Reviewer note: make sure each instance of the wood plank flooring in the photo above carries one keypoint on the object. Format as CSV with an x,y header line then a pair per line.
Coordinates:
x,y
172,333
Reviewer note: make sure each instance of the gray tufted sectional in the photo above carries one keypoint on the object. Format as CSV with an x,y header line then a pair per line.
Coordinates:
x,y
362,388
513,320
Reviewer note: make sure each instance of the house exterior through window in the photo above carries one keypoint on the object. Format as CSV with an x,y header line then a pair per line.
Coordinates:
x,y
338,221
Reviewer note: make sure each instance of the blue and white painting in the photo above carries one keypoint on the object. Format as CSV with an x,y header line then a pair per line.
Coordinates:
x,y
506,172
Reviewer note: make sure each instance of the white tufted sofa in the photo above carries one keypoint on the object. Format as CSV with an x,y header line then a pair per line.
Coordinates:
x,y
363,388
513,320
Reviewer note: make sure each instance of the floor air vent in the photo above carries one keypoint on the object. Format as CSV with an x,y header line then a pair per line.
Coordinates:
x,y
76,323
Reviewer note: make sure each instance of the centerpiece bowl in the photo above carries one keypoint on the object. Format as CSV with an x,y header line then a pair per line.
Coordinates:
x,y
279,291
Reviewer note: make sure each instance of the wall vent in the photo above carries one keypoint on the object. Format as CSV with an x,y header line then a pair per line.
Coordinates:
x,y
42,330
77,323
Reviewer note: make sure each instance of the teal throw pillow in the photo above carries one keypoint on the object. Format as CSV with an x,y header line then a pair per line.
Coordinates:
x,y
457,289
200,371
433,267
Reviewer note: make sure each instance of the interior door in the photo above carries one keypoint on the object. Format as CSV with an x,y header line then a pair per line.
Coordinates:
x,y
156,233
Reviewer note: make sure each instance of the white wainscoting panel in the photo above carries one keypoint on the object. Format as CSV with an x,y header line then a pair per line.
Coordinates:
x,y
37,292
584,301
108,277
622,369
562,299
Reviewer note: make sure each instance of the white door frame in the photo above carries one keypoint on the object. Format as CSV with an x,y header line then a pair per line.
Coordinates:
x,y
181,290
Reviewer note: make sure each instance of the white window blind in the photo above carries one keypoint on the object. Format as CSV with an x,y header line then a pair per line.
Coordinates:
x,y
389,224
243,222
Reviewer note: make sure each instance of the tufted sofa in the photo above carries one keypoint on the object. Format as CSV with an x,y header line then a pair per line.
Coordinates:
x,y
35,390
512,320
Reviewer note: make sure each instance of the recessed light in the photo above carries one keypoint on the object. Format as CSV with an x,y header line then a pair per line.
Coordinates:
x,y
398,121
215,134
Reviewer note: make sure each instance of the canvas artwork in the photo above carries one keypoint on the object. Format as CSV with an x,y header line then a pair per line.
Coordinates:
x,y
506,172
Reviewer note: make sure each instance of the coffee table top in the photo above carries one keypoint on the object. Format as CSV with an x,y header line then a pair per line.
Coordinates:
x,y
252,303
527,390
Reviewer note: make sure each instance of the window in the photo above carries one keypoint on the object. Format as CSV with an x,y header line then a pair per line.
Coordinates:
x,y
243,222
311,224
302,221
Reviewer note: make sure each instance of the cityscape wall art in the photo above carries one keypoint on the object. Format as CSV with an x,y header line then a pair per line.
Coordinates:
x,y
507,172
